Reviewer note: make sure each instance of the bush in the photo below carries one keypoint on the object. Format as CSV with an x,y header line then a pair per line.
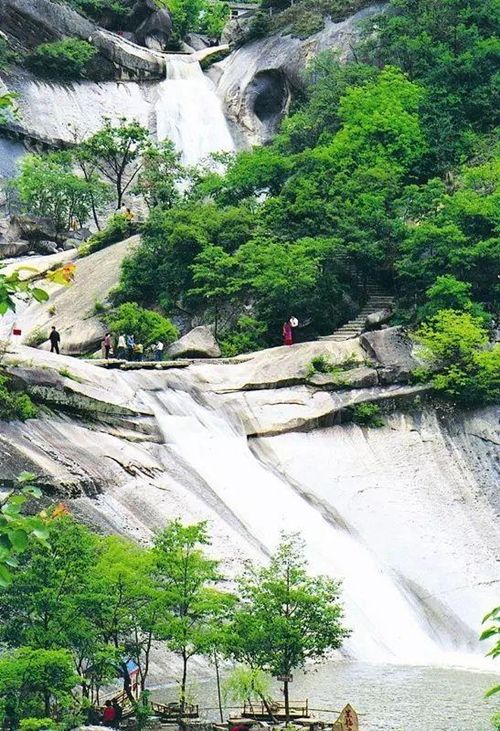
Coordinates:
x,y
15,405
117,229
366,414
146,326
319,364
7,55
245,338
36,724
36,337
66,59
455,346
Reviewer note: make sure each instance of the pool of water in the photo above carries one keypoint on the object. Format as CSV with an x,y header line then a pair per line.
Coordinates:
x,y
388,698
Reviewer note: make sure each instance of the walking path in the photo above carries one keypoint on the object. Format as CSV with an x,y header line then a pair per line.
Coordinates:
x,y
377,300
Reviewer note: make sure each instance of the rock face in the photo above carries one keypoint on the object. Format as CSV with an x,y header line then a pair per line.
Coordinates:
x,y
71,309
406,514
200,342
155,31
376,319
36,21
31,229
393,351
256,81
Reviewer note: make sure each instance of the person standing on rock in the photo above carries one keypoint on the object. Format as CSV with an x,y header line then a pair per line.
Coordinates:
x,y
121,347
55,339
130,347
287,333
159,350
107,345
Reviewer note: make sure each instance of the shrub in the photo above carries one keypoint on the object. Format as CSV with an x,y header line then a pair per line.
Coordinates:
x,y
319,364
454,344
245,338
366,414
37,724
14,405
66,59
7,55
117,229
36,337
146,326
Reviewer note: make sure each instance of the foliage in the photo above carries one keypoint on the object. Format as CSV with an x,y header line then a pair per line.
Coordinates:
x,y
213,18
492,631
286,616
366,414
7,55
246,337
245,684
13,284
16,530
305,17
116,153
320,364
14,404
33,681
454,346
48,187
187,579
117,229
65,59
160,176
37,724
146,326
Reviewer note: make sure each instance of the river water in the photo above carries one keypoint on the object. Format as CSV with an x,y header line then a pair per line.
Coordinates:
x,y
387,697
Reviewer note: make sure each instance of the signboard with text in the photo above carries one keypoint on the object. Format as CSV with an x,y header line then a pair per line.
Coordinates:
x,y
347,721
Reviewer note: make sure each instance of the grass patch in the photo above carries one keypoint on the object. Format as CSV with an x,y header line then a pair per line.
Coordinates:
x,y
36,337
14,404
322,364
366,414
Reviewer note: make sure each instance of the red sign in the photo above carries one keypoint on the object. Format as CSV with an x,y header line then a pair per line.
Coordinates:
x,y
16,331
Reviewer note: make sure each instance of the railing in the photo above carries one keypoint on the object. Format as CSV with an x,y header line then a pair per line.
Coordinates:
x,y
297,709
173,710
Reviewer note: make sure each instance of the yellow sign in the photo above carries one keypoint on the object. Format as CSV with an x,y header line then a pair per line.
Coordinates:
x,y
347,721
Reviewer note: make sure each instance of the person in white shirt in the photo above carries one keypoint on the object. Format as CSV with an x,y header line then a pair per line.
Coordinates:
x,y
159,350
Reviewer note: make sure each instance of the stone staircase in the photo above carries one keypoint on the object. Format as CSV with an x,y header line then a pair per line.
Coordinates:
x,y
377,300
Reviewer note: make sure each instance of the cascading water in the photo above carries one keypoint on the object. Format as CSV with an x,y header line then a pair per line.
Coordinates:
x,y
189,112
389,626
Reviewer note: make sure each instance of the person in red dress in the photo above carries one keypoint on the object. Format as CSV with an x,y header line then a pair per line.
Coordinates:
x,y
287,333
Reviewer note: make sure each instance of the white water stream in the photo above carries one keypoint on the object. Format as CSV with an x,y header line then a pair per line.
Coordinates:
x,y
189,112
388,624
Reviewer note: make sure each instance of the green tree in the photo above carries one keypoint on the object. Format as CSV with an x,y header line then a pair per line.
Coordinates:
x,y
116,152
35,682
286,616
47,186
147,326
454,344
16,529
188,580
215,278
68,58
159,179
492,632
246,684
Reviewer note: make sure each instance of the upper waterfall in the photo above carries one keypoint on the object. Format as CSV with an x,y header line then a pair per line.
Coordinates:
x,y
189,112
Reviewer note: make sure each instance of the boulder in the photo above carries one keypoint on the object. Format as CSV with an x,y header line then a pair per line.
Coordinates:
x,y
78,236
197,41
392,350
378,318
155,31
45,247
31,228
10,249
198,343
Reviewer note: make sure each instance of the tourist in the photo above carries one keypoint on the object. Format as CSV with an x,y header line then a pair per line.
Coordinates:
x,y
121,347
107,345
130,347
139,351
287,333
118,713
159,350
55,339
109,714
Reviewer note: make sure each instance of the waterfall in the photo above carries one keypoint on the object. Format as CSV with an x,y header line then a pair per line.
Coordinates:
x,y
189,112
388,624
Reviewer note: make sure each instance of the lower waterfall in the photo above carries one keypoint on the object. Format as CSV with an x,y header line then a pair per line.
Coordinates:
x,y
189,112
389,624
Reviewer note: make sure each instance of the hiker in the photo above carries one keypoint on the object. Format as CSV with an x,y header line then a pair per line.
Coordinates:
x,y
121,347
109,714
118,713
55,339
130,347
107,345
139,351
287,333
159,350
129,215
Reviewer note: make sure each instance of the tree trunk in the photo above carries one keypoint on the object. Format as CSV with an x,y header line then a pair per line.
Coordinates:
x,y
287,703
183,684
46,703
219,695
